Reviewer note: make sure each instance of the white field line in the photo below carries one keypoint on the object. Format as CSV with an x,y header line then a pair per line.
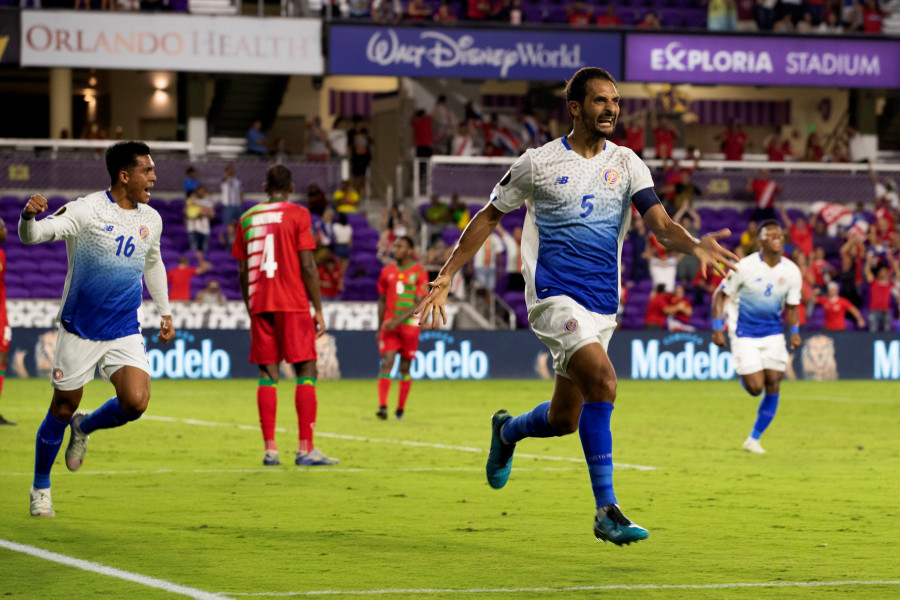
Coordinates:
x,y
87,565
356,438
292,470
586,588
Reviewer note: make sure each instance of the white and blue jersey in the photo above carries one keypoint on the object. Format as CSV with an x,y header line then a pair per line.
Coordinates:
x,y
579,210
109,249
761,292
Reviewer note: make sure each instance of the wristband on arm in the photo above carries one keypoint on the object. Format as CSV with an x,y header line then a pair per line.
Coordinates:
x,y
718,325
795,329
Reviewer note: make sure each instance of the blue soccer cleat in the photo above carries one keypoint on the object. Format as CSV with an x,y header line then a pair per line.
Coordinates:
x,y
315,458
499,462
614,527
270,459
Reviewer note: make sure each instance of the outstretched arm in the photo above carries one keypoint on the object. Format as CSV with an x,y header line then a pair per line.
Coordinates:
x,y
472,238
674,237
718,310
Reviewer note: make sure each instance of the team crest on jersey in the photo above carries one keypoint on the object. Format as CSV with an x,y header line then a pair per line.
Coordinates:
x,y
571,325
57,374
610,176
144,232
782,281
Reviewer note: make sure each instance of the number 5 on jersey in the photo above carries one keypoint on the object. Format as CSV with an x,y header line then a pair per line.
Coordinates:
x,y
268,263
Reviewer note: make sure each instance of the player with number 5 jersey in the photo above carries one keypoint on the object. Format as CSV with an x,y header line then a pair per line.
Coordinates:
x,y
274,246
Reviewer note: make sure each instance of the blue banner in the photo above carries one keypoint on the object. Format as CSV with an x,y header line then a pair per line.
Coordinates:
x,y
510,53
478,355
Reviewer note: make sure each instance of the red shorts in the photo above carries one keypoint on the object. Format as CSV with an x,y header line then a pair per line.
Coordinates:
x,y
289,336
405,339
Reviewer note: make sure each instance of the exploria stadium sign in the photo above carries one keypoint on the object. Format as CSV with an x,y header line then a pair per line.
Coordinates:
x,y
762,61
487,54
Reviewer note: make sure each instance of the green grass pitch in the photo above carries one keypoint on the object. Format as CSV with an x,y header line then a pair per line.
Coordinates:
x,y
181,496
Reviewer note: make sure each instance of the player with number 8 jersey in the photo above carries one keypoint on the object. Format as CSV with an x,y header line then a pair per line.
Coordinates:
x,y
274,247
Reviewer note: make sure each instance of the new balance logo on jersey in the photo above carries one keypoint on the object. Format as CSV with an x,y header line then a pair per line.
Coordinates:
x,y
562,180
109,227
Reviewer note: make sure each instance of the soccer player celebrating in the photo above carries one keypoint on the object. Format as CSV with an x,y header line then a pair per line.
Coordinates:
x,y
765,285
275,249
401,286
578,191
112,239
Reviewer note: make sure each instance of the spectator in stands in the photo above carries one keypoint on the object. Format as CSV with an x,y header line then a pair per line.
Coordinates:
x,y
721,15
609,18
800,231
485,266
850,276
516,16
784,24
579,13
663,264
650,21
815,152
459,212
331,278
231,197
512,244
198,212
316,141
778,147
279,153
445,14
635,132
805,24
437,216
226,236
336,138
256,140
765,14
750,238
323,233
655,316
690,219
417,11
831,25
821,271
478,10
637,236
386,12
358,9
396,222
791,8
360,146
211,294
878,276
822,239
746,15
422,125
463,142
444,124
316,200
180,277
345,198
190,181
679,311
733,141
816,9
435,257
684,192
886,195
836,307
764,191
343,240
872,17
664,136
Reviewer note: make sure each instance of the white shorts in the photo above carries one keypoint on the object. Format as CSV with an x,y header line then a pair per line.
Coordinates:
x,y
752,355
76,357
564,326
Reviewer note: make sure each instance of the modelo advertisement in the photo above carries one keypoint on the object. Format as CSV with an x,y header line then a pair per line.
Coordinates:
x,y
770,60
480,355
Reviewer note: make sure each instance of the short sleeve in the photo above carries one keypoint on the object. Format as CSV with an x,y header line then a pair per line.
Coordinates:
x,y
515,187
794,291
239,247
382,283
732,283
641,178
305,239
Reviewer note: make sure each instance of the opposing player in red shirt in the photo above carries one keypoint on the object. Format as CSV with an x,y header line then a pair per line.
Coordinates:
x,y
401,287
836,307
5,331
274,246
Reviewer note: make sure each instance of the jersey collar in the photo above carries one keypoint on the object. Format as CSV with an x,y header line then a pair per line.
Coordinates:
x,y
565,143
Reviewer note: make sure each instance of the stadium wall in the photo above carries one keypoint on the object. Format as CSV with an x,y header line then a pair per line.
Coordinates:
x,y
477,355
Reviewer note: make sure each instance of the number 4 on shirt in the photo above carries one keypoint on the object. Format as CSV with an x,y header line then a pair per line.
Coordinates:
x,y
269,265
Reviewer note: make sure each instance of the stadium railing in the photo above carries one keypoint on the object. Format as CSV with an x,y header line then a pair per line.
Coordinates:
x,y
54,146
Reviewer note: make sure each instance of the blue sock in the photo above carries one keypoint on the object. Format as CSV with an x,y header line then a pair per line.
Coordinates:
x,y
107,416
596,439
764,415
49,439
534,423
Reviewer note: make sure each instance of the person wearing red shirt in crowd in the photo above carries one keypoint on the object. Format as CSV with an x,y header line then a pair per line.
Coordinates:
x,y
664,136
764,192
423,133
418,11
679,311
634,133
836,307
777,147
579,13
275,249
445,14
806,288
401,287
478,10
180,277
815,152
872,17
655,317
822,270
5,331
733,141
706,283
610,19
650,21
801,233
878,275
331,278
